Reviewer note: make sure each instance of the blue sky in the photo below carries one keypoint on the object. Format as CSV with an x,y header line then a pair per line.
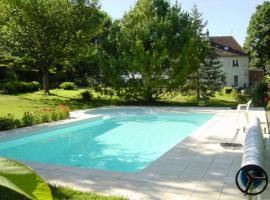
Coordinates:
x,y
224,17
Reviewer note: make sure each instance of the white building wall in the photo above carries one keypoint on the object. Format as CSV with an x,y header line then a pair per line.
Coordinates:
x,y
231,71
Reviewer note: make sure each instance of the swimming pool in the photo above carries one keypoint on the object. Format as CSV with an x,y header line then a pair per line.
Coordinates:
x,y
123,139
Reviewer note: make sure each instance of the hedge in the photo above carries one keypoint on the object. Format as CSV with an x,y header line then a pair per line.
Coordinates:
x,y
14,87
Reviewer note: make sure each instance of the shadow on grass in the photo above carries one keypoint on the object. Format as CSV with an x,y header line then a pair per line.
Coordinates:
x,y
211,103
77,104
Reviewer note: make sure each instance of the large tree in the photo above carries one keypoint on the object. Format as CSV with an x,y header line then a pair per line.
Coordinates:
x,y
211,75
257,43
109,54
85,68
48,32
153,42
199,45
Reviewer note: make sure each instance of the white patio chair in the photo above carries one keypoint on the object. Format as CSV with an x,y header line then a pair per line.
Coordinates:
x,y
243,108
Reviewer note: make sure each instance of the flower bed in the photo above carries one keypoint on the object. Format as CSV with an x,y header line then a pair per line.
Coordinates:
x,y
44,115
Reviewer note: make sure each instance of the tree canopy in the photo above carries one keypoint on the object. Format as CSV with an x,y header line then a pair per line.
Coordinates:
x,y
257,42
199,45
211,75
48,31
151,51
153,43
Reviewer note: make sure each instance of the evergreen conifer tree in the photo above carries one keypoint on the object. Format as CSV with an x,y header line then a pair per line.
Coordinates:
x,y
211,75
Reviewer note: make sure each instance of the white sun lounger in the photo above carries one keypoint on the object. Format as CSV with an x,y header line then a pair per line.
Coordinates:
x,y
243,108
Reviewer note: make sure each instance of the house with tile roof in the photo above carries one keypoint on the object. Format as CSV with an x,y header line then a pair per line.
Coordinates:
x,y
234,60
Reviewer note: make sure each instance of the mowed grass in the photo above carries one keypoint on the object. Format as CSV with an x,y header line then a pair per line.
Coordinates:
x,y
18,104
220,99
58,193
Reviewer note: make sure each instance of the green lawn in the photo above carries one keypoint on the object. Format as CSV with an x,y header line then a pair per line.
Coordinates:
x,y
18,104
58,193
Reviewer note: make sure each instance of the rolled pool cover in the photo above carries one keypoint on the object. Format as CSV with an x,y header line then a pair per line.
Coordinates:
x,y
251,178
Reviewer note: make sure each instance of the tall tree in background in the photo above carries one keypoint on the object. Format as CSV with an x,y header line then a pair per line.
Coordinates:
x,y
212,77
48,31
199,44
85,65
153,40
257,43
109,54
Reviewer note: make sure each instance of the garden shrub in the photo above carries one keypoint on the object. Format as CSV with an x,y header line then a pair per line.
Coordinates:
x,y
68,86
9,87
258,92
31,118
61,115
28,119
8,122
37,117
46,115
63,111
34,85
13,87
228,90
242,98
55,115
87,95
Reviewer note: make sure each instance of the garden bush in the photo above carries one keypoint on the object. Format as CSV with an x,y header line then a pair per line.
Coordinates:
x,y
44,115
55,115
258,92
13,87
29,119
87,95
63,111
228,90
68,86
8,122
34,86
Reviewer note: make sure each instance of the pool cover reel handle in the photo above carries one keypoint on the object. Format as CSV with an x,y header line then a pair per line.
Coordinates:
x,y
251,177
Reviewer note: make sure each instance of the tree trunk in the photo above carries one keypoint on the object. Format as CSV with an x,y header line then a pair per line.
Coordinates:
x,y
45,77
198,87
149,95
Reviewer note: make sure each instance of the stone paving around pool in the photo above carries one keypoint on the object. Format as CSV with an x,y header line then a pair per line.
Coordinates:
x,y
197,168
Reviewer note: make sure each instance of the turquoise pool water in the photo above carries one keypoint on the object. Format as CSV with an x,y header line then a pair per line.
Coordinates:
x,y
125,140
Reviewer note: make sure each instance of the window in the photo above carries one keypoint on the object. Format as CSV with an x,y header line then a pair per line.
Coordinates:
x,y
235,80
235,63
226,48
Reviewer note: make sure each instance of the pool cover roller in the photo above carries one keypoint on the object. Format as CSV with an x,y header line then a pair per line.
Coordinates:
x,y
251,178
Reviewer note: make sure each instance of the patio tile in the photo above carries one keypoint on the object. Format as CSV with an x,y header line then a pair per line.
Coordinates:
x,y
143,176
179,195
205,195
207,186
230,192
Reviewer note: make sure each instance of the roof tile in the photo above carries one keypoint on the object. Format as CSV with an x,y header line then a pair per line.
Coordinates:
x,y
226,46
